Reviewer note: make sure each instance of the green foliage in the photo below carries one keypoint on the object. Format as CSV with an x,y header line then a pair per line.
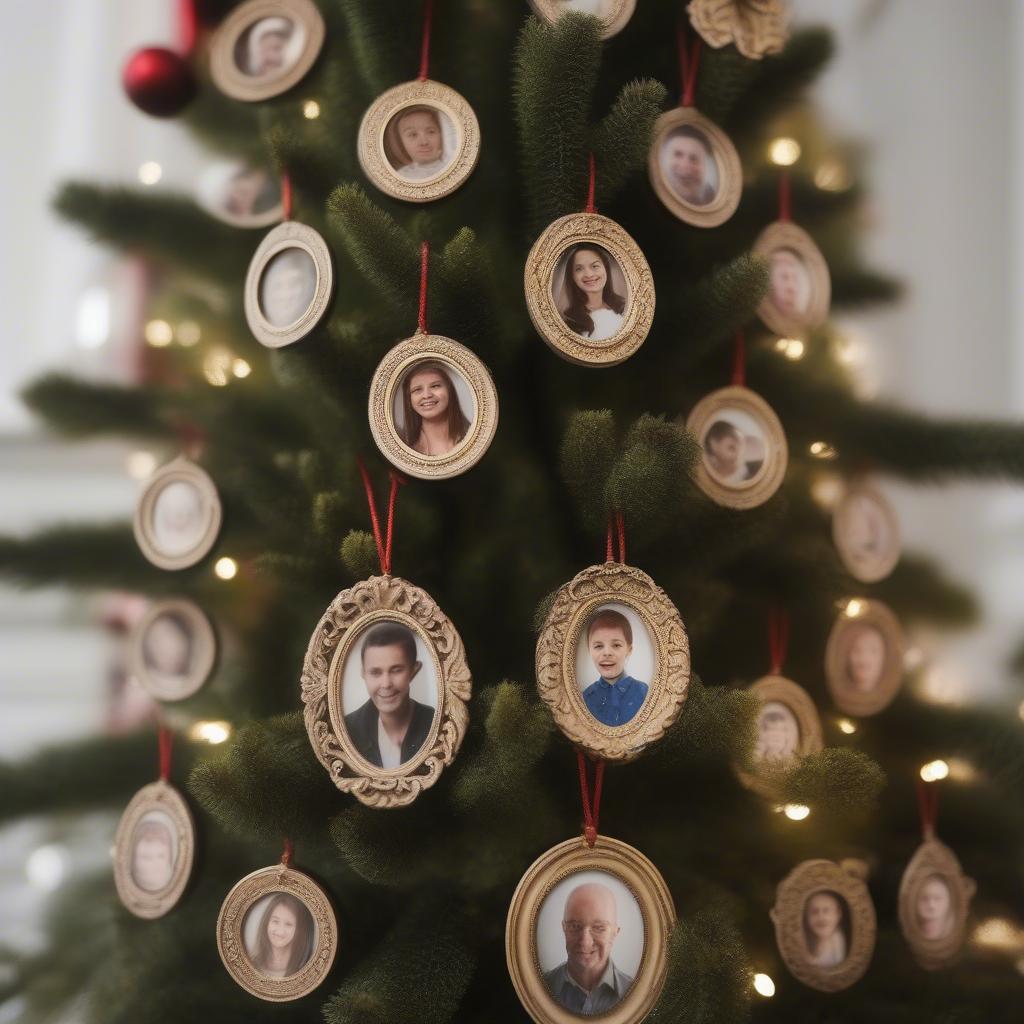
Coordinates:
x,y
840,782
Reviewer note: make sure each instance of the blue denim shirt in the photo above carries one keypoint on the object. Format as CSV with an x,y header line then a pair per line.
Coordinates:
x,y
605,995
615,703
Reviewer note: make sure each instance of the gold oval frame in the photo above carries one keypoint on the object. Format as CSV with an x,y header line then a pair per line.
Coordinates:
x,y
203,637
385,382
766,779
375,163
157,796
231,945
784,234
383,598
871,613
557,685
227,75
767,481
723,152
881,567
560,236
935,858
288,235
612,24
179,470
639,876
847,878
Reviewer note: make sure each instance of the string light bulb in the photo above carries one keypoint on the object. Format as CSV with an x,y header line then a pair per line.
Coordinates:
x,y
140,465
846,726
791,348
240,368
210,732
150,172
853,608
226,568
934,771
188,333
311,110
831,175
784,151
796,812
823,450
764,986
998,933
158,333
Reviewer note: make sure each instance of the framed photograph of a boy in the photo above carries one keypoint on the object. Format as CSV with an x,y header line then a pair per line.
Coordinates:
x,y
173,649
613,661
864,658
614,14
799,284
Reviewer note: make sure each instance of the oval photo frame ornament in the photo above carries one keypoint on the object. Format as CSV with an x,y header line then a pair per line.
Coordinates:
x,y
645,884
203,639
556,239
881,617
378,599
882,566
574,603
612,23
784,234
386,381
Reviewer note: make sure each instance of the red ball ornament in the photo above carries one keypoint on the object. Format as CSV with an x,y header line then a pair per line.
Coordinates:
x,y
158,81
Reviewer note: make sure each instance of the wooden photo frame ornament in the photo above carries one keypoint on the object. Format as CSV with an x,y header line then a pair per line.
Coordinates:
x,y
857,558
933,861
766,776
847,880
176,833
288,236
213,193
763,482
539,280
614,14
858,614
373,601
207,508
231,922
202,647
643,881
387,380
784,235
231,36
557,684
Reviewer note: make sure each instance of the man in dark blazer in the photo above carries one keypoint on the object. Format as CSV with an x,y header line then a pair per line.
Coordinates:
x,y
390,727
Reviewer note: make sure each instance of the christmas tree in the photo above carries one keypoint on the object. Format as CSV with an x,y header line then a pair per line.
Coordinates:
x,y
421,892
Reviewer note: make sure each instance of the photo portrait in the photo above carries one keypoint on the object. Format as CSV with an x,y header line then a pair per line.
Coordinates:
x,y
598,8
826,928
420,142
589,941
433,407
167,648
154,851
778,733
287,286
615,663
789,287
179,520
389,693
865,657
933,908
867,535
173,649
279,935
242,194
734,447
270,47
590,292
688,165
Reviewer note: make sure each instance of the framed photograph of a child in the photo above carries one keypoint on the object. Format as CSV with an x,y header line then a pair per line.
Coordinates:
x,y
799,284
866,533
264,47
419,141
241,194
864,658
614,14
385,684
613,661
154,848
173,649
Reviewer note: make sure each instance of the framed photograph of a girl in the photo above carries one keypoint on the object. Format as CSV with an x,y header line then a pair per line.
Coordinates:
x,y
419,141
277,934
799,284
614,14
433,407
173,649
589,290
864,658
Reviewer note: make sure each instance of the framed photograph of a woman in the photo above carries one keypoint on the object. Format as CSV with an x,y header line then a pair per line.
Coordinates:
x,y
173,649
864,657
866,533
590,291
614,14
799,284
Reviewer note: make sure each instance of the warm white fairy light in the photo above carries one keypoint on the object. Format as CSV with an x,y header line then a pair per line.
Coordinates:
x,y
311,110
158,333
998,933
796,812
942,684
210,732
961,770
784,151
846,726
822,450
217,367
140,465
934,771
226,568
854,607
826,490
913,658
92,317
831,175
1020,710
47,866
150,172
240,368
764,986
791,348
188,333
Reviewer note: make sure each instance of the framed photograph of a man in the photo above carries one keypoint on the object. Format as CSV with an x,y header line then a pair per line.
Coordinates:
x,y
614,14
173,649
799,285
241,194
866,533
864,658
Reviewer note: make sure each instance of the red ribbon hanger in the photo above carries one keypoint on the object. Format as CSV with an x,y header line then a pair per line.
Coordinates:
x,y
382,539
689,61
785,196
428,17
286,196
739,361
591,184
778,638
591,809
421,322
616,530
928,806
165,741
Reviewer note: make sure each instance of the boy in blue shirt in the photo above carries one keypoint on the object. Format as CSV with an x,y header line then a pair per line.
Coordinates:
x,y
615,697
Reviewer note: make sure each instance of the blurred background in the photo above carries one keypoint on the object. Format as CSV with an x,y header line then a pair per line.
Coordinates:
x,y
923,106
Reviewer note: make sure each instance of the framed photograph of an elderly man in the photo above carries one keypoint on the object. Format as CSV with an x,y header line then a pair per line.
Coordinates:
x,y
825,923
385,685
277,934
934,904
614,14
613,661
799,284
866,533
264,47
694,168
173,649
153,851
743,446
589,290
178,515
586,933
864,657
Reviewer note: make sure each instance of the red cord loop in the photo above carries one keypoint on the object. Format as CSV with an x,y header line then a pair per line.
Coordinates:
x,y
739,361
591,811
428,17
286,196
288,853
383,539
616,530
785,196
187,26
421,323
590,208
165,740
778,638
688,64
928,805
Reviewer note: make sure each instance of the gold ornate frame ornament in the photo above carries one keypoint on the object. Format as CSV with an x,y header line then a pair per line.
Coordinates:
x,y
935,858
756,27
204,642
767,480
881,567
162,797
371,146
383,598
620,11
786,235
612,583
179,470
224,69
288,235
556,239
766,778
858,613
387,379
848,880
644,882
231,944
727,160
